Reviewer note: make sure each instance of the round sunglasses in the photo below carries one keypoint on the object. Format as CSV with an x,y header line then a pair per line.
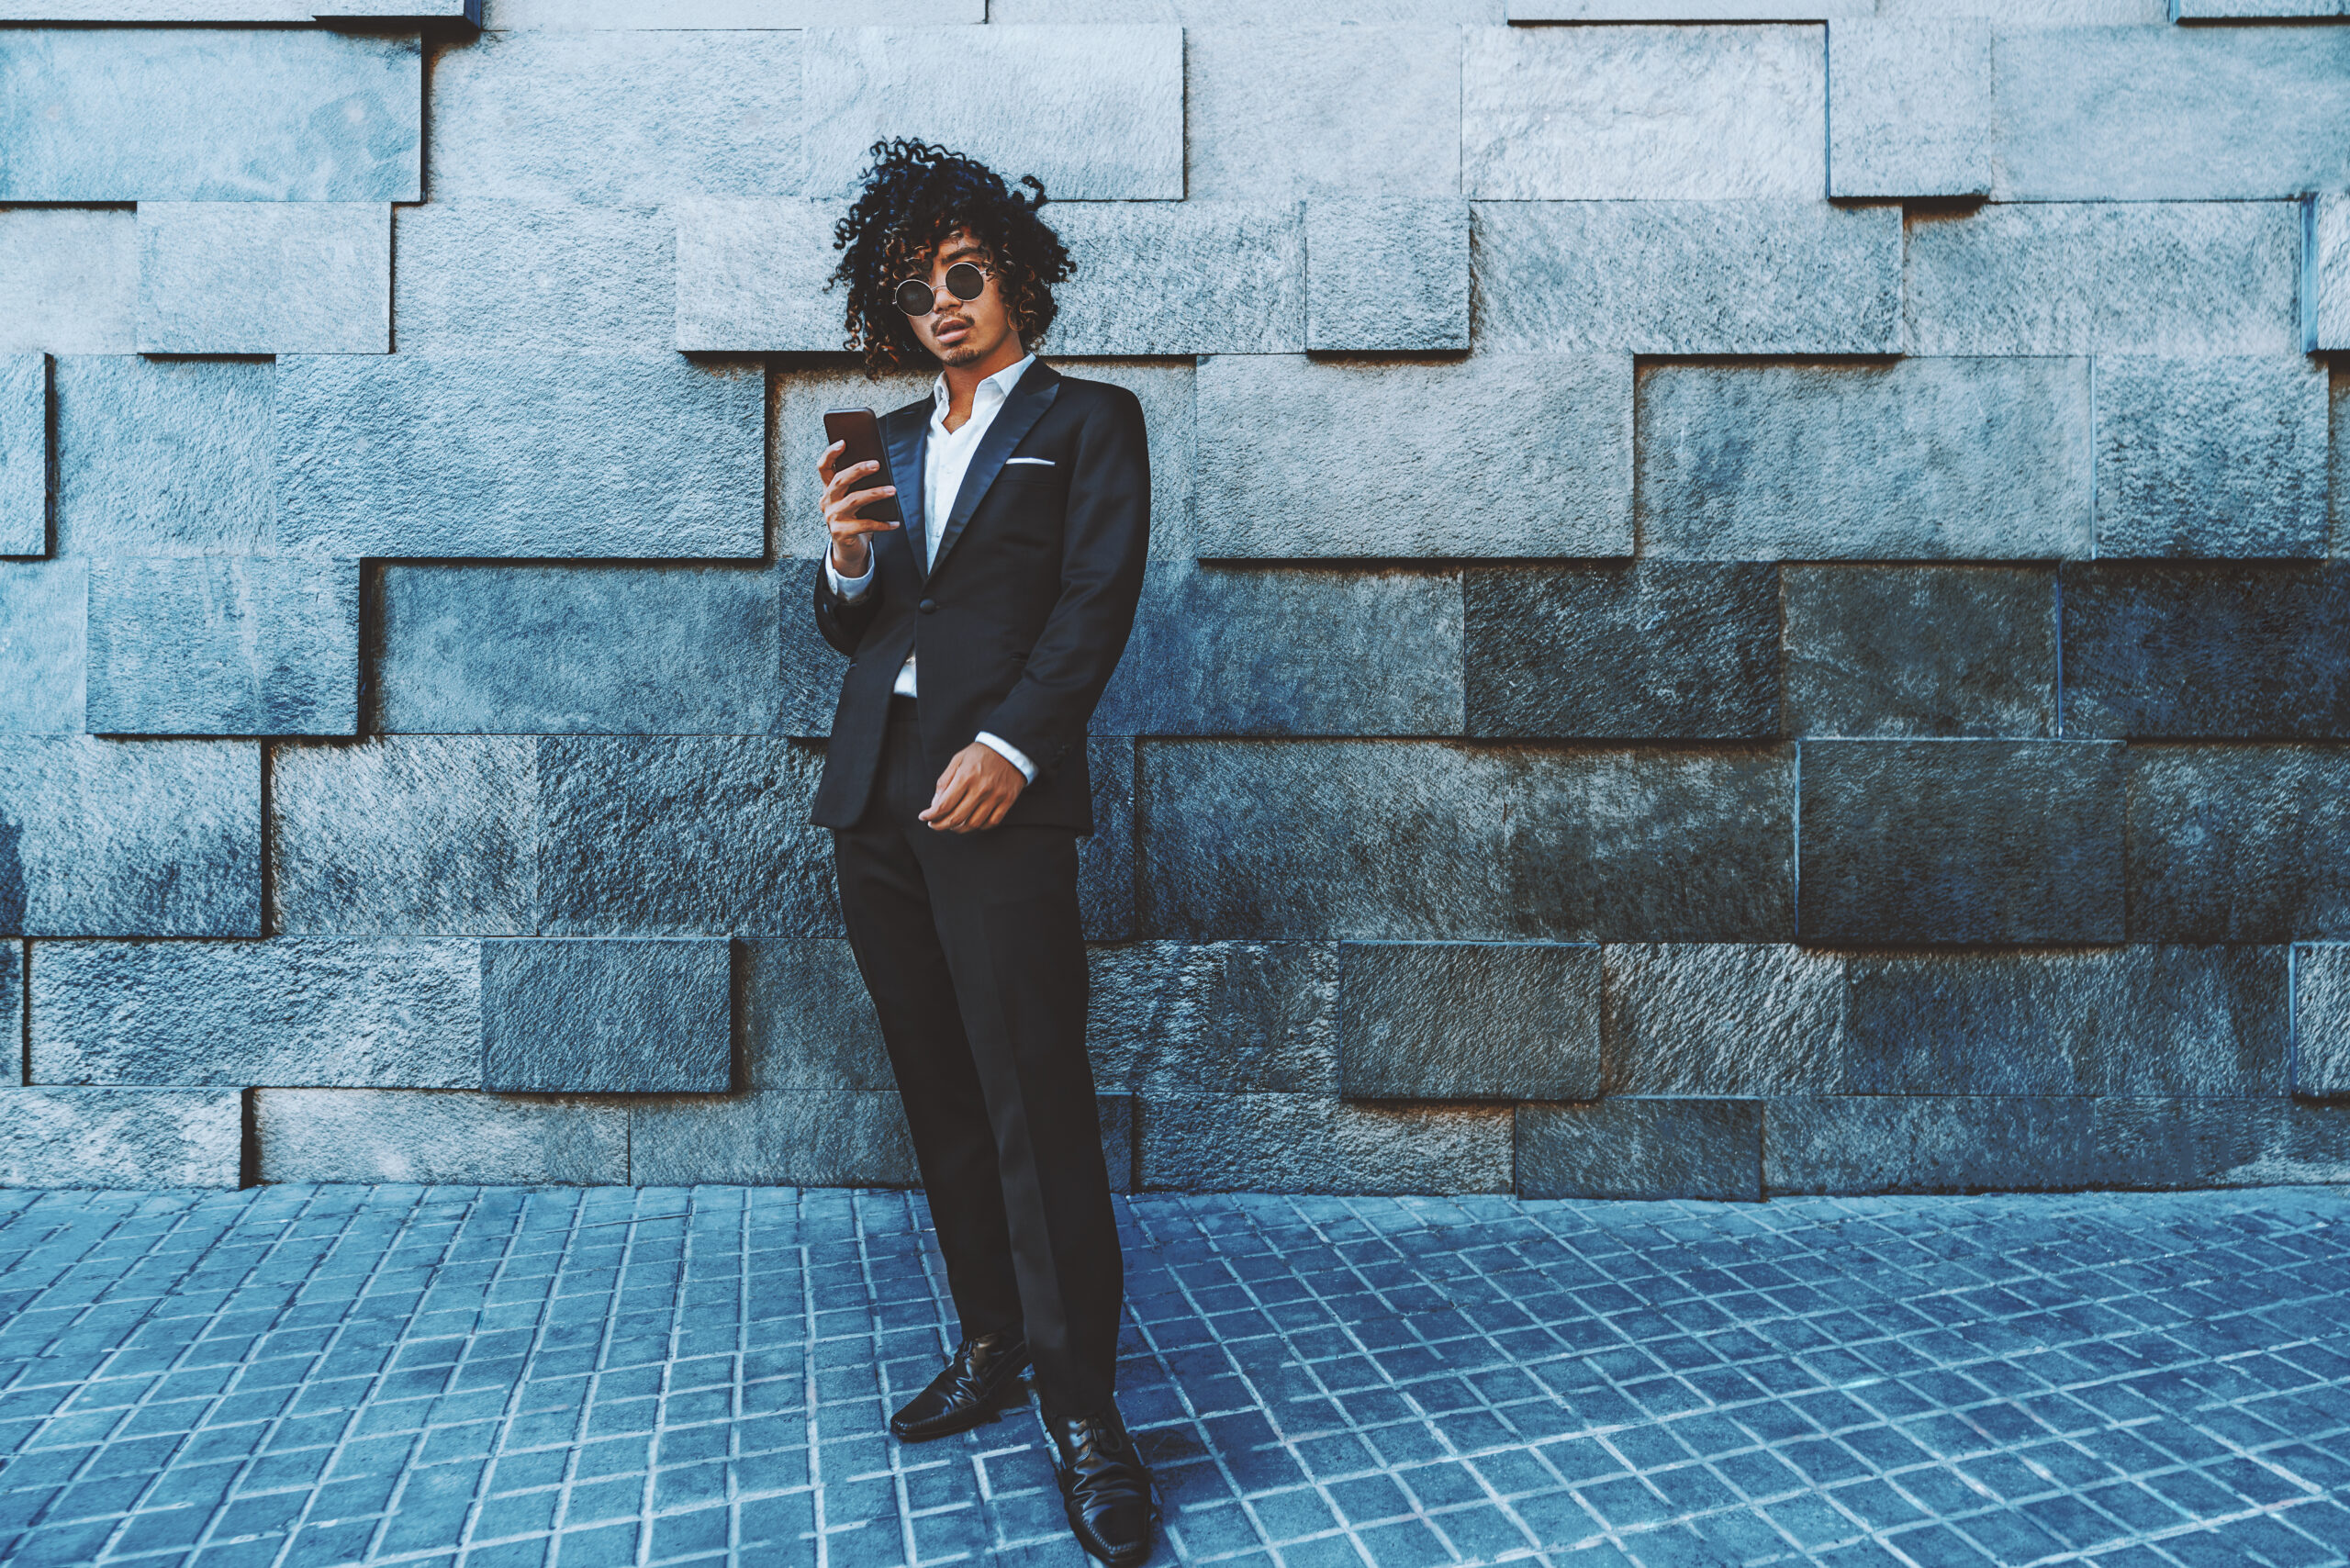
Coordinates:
x,y
965,280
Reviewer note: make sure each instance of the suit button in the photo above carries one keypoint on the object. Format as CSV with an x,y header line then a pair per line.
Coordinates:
x,y
927,605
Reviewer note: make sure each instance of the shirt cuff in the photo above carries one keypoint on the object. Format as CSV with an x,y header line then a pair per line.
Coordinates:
x,y
850,588
1010,753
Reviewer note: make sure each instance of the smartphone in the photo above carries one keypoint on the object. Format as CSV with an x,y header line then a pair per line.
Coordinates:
x,y
859,434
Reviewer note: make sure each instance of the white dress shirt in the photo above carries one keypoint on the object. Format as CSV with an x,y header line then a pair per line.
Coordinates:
x,y
946,459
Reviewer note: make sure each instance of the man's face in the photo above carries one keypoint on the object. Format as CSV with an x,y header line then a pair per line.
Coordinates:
x,y
962,331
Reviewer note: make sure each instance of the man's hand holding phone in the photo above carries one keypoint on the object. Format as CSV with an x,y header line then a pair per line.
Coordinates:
x,y
852,553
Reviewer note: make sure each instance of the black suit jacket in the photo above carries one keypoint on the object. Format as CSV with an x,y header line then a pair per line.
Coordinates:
x,y
1020,620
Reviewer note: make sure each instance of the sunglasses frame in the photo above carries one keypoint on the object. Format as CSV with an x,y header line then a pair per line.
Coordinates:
x,y
895,294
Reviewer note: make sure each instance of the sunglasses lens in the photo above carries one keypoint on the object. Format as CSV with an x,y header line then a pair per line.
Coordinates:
x,y
966,281
914,296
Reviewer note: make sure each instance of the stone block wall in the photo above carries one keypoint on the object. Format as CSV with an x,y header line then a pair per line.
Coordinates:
x,y
1746,597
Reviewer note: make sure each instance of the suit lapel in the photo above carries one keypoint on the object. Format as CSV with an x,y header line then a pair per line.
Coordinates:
x,y
908,450
1013,420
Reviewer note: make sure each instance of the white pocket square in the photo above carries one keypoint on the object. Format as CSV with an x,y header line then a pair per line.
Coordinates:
x,y
1040,462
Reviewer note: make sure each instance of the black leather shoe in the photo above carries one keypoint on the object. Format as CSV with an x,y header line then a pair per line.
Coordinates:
x,y
1106,1490
980,1372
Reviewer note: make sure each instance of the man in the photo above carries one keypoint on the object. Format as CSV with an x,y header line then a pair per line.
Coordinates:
x,y
981,634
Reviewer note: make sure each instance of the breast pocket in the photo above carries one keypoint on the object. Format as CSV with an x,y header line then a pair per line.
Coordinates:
x,y
1029,502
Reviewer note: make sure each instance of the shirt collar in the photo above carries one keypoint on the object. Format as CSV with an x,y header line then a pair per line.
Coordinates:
x,y
1001,381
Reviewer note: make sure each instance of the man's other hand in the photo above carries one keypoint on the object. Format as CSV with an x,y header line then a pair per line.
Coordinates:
x,y
974,791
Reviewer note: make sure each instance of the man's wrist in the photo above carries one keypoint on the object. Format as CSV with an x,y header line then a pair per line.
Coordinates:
x,y
1010,753
845,585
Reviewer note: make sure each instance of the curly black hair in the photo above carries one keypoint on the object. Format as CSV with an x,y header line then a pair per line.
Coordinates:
x,y
915,195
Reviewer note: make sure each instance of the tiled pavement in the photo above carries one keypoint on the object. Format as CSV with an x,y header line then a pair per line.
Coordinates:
x,y
398,1374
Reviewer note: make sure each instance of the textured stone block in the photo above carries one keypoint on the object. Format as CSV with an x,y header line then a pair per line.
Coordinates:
x,y
1920,650
130,838
796,440
69,279
1105,859
2104,277
519,454
752,276
12,1009
808,1137
420,1136
163,457
222,113
2251,10
1722,113
617,1017
1289,651
1468,1021
2138,1019
224,646
397,834
1538,448
1641,1148
494,276
380,10
1722,1019
2325,273
264,277
25,478
1978,1143
1459,843
1909,110
2211,456
1181,278
1246,13
2338,460
784,1138
1215,1017
44,646
2038,13
2176,114
1662,650
1920,1144
124,1138
292,1012
1687,10
1386,276
1962,841
2239,844
2219,1143
618,119
1100,117
806,1020
682,836
651,114
1307,1143
2168,653
1673,277
301,11
627,15
1919,459
2322,1019
1277,112
595,649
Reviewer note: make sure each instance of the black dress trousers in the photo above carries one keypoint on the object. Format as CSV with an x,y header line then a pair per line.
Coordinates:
x,y
971,947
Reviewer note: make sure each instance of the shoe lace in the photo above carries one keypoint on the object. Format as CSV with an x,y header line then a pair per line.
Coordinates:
x,y
1118,1485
